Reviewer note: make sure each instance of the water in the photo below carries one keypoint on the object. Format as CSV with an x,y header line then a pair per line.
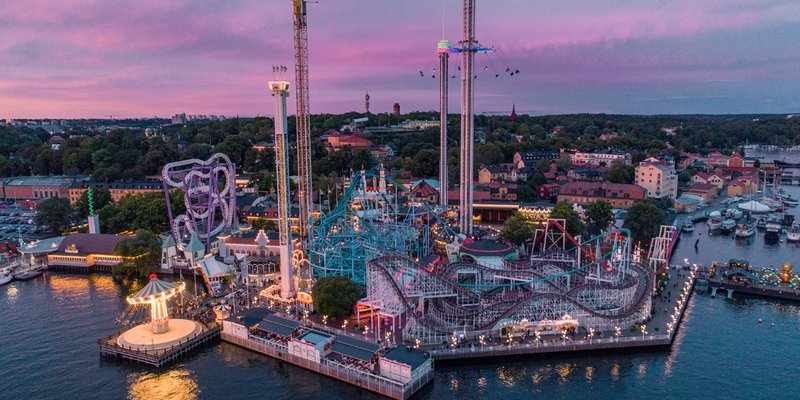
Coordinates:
x,y
50,326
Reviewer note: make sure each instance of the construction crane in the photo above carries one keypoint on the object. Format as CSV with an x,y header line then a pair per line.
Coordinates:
x,y
303,116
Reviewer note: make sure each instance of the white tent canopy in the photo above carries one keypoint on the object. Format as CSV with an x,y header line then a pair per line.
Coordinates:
x,y
754,207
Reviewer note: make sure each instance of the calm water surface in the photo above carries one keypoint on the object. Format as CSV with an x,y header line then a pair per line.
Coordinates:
x,y
49,327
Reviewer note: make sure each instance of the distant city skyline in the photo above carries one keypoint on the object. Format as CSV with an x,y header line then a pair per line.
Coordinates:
x,y
135,59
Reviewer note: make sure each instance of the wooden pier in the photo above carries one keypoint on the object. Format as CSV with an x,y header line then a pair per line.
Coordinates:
x,y
776,292
332,369
159,357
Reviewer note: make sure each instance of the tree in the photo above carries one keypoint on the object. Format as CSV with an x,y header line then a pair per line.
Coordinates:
x,y
55,213
100,198
644,220
141,254
335,296
598,217
362,159
259,224
517,229
573,220
425,163
621,173
684,177
526,193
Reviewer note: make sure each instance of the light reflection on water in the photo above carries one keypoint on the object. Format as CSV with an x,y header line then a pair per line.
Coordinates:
x,y
176,384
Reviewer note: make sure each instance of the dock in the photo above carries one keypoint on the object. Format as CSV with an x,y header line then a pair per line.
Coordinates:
x,y
754,289
160,357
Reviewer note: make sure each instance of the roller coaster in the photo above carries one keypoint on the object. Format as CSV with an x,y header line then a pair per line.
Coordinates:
x,y
600,289
371,220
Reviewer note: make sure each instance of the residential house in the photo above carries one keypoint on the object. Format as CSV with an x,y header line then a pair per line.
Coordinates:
x,y
426,192
503,191
605,157
709,178
619,195
706,191
587,173
531,159
547,191
658,177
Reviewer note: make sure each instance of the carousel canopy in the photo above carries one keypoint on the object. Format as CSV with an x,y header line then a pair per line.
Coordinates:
x,y
753,206
155,288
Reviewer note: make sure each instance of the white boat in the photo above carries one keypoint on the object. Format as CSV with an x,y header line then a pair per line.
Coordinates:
x,y
745,229
793,235
5,276
688,226
714,220
728,225
773,230
28,272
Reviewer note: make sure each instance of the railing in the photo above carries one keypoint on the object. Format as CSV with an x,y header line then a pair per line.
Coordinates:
x,y
334,369
570,345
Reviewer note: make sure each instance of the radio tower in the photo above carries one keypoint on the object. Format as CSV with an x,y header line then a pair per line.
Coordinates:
x,y
444,56
303,117
280,89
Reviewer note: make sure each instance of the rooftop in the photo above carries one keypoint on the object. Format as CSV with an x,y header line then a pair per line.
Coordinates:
x,y
406,355
314,337
89,243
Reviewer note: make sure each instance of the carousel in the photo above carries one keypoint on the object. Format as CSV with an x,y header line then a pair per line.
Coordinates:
x,y
161,331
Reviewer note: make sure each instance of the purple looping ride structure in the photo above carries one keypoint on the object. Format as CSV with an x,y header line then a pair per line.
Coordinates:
x,y
209,195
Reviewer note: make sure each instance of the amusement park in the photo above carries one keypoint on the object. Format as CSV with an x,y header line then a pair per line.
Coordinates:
x,y
428,283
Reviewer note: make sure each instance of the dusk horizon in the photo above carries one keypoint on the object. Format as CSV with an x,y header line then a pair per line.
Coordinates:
x,y
89,60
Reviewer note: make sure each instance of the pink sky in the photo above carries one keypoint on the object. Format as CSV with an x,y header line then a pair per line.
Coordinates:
x,y
87,58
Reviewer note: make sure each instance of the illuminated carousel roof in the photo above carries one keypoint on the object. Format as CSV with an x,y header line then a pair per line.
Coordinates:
x,y
154,289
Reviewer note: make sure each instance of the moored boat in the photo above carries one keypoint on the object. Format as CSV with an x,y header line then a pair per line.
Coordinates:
x,y
28,272
793,235
688,226
745,228
727,225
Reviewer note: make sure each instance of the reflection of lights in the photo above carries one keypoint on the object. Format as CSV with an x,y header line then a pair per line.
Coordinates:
x,y
615,372
174,384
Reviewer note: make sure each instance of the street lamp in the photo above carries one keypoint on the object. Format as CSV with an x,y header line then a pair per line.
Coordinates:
x,y
325,320
344,326
481,340
564,335
617,332
644,331
591,334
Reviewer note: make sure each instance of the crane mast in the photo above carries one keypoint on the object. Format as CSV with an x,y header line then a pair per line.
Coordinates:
x,y
303,117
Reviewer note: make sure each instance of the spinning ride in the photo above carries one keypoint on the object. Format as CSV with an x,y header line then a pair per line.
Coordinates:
x,y
161,332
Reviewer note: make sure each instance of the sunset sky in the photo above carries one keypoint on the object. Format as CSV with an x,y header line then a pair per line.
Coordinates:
x,y
84,58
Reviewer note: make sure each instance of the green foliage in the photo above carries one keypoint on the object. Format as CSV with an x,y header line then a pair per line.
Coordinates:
x,y
335,296
517,229
56,213
621,173
685,177
142,211
100,198
526,193
142,254
424,164
573,220
644,219
598,217
263,224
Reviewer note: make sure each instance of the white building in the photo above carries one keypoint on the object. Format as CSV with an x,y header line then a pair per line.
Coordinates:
x,y
658,178
601,157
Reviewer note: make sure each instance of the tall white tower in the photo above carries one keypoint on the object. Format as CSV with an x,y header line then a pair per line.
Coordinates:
x,y
444,54
280,89
468,44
